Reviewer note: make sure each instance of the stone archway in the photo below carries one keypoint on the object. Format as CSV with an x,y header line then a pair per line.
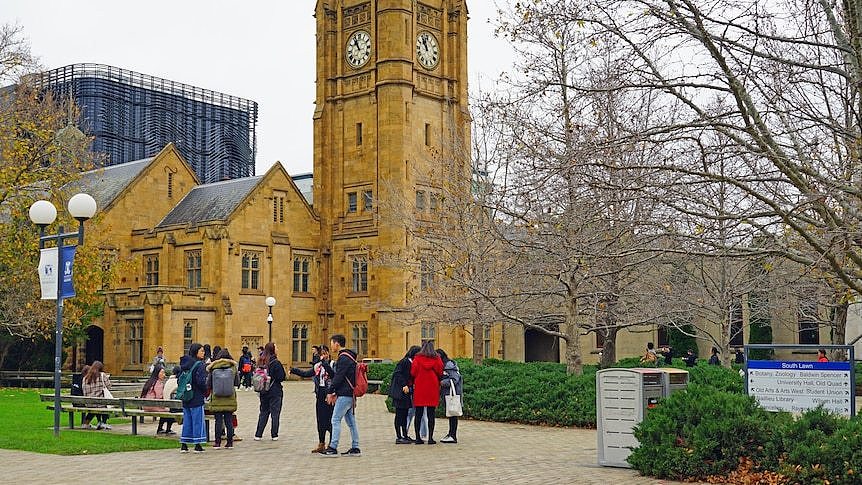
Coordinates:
x,y
540,347
94,348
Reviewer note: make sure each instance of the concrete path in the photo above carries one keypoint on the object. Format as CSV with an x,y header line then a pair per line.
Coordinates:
x,y
486,453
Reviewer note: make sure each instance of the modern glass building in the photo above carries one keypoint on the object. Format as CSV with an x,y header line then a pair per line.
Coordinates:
x,y
133,116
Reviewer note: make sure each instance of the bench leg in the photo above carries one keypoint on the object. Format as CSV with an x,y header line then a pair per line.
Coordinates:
x,y
207,425
72,420
134,425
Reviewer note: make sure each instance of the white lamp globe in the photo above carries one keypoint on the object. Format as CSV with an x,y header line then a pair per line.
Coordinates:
x,y
82,206
270,301
43,213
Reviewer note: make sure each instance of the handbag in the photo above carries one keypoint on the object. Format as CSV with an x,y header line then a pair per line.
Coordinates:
x,y
453,403
106,393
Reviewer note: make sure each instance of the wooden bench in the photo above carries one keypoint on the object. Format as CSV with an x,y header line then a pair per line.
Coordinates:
x,y
84,405
131,407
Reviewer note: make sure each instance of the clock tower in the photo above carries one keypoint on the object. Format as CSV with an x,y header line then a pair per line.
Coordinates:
x,y
391,104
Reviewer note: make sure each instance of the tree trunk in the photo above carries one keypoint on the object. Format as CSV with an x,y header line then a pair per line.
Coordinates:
x,y
478,343
574,361
609,349
839,329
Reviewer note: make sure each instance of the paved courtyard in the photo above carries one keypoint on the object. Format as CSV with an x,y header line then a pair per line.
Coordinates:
x,y
486,453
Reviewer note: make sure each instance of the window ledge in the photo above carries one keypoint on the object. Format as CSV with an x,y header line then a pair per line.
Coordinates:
x,y
247,291
302,294
358,294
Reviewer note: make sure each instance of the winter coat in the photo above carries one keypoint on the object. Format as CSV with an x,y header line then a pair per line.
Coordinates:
x,y
199,381
344,373
401,378
451,374
426,373
222,404
97,388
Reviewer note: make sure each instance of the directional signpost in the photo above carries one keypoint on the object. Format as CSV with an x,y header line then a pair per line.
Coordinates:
x,y
797,386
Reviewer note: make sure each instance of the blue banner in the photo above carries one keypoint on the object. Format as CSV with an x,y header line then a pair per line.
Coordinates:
x,y
796,365
68,257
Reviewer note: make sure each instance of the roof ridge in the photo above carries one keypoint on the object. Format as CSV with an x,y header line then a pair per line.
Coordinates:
x,y
226,182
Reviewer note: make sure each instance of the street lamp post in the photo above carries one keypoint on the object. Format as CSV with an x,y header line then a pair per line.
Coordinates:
x,y
270,302
43,213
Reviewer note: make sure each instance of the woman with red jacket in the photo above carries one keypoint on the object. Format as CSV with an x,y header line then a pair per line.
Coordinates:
x,y
426,370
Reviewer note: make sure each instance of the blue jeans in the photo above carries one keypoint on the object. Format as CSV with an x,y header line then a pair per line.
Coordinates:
x,y
344,409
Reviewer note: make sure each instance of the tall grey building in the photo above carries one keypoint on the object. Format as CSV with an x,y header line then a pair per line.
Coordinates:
x,y
132,116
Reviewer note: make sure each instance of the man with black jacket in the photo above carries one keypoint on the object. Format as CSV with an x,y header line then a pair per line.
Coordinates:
x,y
341,396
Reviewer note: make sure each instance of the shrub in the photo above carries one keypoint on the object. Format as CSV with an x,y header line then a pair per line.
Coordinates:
x,y
820,447
702,431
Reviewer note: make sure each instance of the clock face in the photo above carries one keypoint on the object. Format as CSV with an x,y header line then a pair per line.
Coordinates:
x,y
358,48
427,50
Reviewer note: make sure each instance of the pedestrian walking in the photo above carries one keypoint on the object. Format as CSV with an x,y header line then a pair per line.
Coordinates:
x,y
426,370
246,365
272,396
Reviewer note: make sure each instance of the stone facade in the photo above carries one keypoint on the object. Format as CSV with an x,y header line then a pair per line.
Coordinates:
x,y
379,129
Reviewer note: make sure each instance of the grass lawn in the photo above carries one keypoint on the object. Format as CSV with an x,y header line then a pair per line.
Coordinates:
x,y
29,427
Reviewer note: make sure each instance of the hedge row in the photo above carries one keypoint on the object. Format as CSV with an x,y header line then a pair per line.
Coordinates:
x,y
704,432
542,392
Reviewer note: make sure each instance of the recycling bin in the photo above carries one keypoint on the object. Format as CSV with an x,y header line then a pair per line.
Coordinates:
x,y
623,397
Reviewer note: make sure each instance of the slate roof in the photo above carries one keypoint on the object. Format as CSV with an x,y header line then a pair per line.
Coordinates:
x,y
105,184
305,183
211,202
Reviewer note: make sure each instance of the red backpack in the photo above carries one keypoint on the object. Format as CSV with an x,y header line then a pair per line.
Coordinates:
x,y
360,386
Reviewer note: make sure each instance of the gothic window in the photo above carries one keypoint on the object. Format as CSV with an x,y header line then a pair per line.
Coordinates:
x,y
360,338
136,341
251,270
299,340
359,276
151,269
429,333
193,268
301,273
351,202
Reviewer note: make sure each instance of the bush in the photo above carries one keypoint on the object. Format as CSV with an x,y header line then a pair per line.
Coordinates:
x,y
700,432
542,392
820,447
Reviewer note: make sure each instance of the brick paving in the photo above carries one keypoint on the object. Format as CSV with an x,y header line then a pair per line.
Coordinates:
x,y
486,453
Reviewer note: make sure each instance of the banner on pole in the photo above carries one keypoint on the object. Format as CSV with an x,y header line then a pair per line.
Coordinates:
x,y
66,289
49,272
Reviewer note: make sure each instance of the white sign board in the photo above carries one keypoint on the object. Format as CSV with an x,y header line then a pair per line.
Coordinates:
x,y
799,386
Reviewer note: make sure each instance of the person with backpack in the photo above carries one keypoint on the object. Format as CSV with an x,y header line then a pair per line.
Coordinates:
x,y
451,380
402,395
191,387
222,373
321,375
267,381
341,395
245,368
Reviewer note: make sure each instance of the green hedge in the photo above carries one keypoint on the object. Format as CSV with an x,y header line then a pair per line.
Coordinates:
x,y
542,392
706,432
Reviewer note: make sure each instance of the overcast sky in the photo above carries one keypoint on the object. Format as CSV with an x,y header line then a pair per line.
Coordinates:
x,y
261,50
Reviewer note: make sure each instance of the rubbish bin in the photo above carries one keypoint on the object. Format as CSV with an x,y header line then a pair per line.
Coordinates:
x,y
623,397
673,380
